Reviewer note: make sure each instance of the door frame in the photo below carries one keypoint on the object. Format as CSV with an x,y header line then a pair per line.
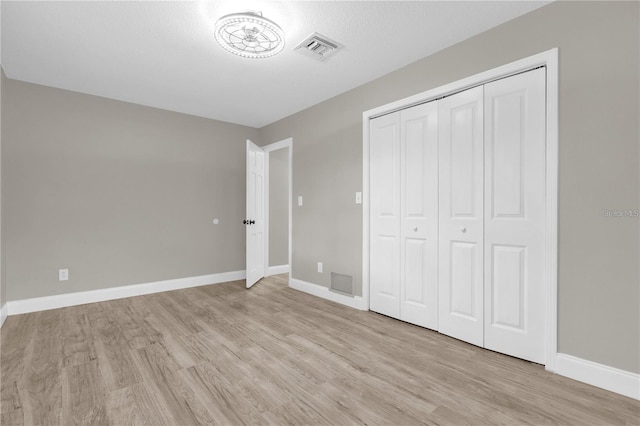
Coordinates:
x,y
285,143
549,59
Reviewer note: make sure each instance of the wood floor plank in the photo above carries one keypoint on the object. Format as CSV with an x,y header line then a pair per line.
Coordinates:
x,y
84,395
78,346
222,354
122,407
166,306
231,367
137,405
270,370
16,338
372,406
16,344
134,324
40,386
225,400
13,417
161,374
297,413
112,351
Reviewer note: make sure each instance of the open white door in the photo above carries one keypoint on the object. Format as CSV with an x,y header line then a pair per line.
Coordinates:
x,y
254,220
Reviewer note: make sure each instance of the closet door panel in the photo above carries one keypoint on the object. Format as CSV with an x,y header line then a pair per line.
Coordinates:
x,y
419,225
463,280
385,215
514,211
461,214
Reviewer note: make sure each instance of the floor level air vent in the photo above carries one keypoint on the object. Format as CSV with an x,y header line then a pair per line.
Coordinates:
x,y
318,46
341,283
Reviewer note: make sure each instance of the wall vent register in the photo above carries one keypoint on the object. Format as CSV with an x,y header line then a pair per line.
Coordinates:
x,y
341,283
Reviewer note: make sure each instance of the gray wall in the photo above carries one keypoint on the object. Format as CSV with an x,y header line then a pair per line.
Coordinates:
x,y
118,193
279,207
599,279
327,171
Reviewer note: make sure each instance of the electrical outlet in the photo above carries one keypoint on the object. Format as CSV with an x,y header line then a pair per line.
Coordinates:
x,y
63,275
320,267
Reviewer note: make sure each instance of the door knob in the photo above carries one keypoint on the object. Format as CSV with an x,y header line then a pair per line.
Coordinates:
x,y
251,222
415,229
463,229
245,222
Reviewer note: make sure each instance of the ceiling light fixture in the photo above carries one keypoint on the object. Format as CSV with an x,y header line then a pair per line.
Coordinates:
x,y
249,35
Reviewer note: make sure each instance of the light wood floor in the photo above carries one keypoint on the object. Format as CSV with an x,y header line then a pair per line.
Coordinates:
x,y
222,354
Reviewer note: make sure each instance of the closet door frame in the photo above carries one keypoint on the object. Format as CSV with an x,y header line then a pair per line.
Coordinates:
x,y
548,59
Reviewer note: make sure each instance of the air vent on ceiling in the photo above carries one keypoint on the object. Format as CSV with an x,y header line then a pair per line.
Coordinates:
x,y
318,46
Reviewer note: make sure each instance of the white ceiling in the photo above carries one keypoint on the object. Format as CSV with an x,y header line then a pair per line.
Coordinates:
x,y
163,54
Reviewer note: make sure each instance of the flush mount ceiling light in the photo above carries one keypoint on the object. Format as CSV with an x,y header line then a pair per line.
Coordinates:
x,y
249,35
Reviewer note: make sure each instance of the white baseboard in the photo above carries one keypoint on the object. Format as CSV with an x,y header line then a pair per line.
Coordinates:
x,y
275,270
600,375
80,298
3,314
355,302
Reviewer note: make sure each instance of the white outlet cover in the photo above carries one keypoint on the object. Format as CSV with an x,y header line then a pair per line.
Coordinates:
x,y
63,275
320,267
358,197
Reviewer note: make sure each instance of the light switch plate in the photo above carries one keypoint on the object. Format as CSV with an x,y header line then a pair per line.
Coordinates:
x,y
299,200
358,197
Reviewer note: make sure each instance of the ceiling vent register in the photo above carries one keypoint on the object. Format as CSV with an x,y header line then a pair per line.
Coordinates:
x,y
318,47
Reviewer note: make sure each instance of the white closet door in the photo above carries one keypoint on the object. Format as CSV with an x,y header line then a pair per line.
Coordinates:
x,y
461,208
384,256
419,211
514,215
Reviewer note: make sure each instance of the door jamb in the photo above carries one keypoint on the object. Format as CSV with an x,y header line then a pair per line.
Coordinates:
x,y
285,143
549,59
